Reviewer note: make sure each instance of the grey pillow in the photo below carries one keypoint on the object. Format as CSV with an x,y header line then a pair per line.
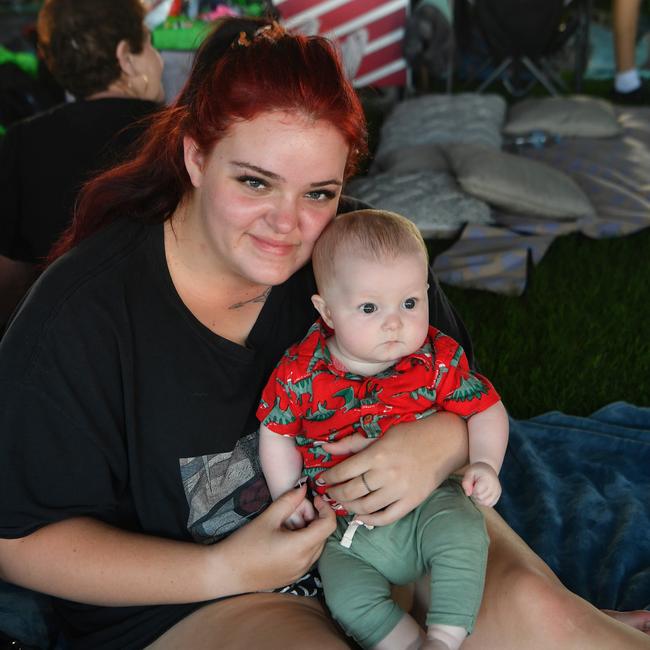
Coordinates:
x,y
443,118
432,200
424,157
578,116
517,184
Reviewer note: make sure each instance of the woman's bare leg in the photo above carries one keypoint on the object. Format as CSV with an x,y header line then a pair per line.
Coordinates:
x,y
526,606
269,621
639,619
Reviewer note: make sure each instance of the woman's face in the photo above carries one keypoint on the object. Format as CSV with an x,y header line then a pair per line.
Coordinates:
x,y
263,195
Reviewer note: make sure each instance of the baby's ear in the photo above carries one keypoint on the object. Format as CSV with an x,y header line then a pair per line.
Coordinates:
x,y
321,308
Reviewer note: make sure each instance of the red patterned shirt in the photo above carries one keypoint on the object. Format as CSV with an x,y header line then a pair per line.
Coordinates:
x,y
312,399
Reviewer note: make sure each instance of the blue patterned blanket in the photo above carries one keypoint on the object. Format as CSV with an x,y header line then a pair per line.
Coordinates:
x,y
577,489
613,172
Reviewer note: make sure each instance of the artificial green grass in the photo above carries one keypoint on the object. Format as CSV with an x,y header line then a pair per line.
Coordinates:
x,y
578,337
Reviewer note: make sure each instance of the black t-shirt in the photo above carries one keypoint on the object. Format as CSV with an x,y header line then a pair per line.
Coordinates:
x,y
44,160
118,404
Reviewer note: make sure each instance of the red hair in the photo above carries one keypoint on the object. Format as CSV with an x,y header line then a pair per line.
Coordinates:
x,y
244,68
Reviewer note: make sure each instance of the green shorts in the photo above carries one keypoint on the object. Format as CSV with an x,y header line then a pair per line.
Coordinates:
x,y
445,538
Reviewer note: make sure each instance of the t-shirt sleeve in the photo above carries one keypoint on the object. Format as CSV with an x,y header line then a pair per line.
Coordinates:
x,y
278,409
461,390
62,449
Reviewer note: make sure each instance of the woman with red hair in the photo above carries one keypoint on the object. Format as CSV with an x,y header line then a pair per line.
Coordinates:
x,y
132,491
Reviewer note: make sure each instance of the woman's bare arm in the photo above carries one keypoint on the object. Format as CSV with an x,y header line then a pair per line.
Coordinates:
x,y
402,468
85,560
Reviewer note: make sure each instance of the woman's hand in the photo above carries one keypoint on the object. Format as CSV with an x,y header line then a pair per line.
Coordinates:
x,y
392,476
265,554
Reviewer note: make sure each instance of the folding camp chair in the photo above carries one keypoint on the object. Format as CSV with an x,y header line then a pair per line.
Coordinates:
x,y
519,37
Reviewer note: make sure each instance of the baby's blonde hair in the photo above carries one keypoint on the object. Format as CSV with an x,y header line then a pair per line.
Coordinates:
x,y
369,234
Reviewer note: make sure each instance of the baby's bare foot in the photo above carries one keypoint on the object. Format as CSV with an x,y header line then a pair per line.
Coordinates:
x,y
639,619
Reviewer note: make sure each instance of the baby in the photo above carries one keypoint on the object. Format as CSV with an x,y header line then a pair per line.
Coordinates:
x,y
372,360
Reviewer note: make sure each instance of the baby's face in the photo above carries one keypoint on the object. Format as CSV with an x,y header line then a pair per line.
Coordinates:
x,y
379,309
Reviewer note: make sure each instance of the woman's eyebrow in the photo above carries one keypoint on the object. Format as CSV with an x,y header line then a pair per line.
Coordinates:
x,y
277,177
331,181
259,170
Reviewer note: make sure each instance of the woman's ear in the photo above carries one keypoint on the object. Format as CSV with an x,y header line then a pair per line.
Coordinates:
x,y
194,160
322,309
124,58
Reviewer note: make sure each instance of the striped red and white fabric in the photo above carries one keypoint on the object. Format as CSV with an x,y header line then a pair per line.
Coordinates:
x,y
369,30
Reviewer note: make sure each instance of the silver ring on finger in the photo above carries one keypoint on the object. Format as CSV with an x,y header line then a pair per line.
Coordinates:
x,y
363,478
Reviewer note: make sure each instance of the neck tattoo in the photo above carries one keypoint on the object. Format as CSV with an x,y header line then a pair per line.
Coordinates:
x,y
261,298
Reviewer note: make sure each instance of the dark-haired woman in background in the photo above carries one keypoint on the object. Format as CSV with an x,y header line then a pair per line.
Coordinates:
x,y
130,376
101,53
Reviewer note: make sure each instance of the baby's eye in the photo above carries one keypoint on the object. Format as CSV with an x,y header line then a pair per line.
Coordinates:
x,y
410,303
368,307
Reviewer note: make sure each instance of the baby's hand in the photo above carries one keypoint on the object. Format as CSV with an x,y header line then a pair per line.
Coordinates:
x,y
482,484
301,516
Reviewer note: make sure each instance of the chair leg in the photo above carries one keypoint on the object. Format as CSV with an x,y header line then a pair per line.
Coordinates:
x,y
495,74
553,75
540,76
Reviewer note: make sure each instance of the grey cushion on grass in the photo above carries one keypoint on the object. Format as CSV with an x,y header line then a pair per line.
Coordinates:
x,y
512,183
432,200
443,118
578,116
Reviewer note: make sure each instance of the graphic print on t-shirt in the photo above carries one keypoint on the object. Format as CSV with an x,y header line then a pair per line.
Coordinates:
x,y
224,491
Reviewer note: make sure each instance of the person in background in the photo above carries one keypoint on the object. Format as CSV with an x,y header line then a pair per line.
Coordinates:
x,y
101,53
131,373
628,85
